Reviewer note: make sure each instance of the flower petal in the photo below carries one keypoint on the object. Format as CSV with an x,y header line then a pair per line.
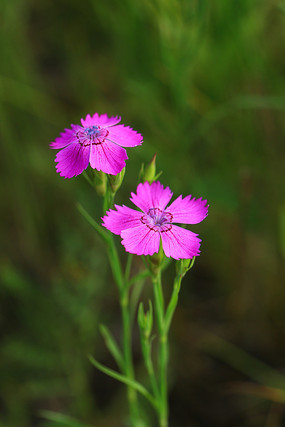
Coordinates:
x,y
151,196
179,243
124,136
72,160
122,218
187,210
66,137
140,240
101,120
108,157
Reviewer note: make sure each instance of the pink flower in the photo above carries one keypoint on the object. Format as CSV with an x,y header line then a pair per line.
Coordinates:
x,y
98,141
143,230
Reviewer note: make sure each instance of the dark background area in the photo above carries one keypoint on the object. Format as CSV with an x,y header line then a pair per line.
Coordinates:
x,y
203,82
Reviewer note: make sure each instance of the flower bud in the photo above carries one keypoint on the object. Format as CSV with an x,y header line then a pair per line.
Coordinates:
x,y
184,265
145,320
116,180
100,182
150,170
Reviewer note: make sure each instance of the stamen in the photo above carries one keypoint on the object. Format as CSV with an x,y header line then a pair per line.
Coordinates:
x,y
157,220
92,131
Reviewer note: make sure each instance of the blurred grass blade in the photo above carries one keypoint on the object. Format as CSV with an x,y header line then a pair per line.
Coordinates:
x,y
245,102
112,346
122,378
62,419
25,97
282,229
243,361
102,233
268,393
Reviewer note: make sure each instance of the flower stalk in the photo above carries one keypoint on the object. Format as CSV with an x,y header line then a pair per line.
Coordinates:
x,y
162,349
123,288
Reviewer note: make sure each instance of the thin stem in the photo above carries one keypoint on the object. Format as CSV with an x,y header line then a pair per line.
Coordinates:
x,y
127,349
146,349
127,335
122,283
115,263
127,339
162,349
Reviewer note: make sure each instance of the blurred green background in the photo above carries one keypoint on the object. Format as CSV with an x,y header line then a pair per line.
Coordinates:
x,y
203,81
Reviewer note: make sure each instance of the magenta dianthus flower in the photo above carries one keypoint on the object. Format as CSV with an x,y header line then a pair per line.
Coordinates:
x,y
98,141
142,231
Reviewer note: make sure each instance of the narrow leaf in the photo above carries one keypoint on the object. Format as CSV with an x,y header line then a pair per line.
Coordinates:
x,y
112,346
62,419
103,234
122,378
139,276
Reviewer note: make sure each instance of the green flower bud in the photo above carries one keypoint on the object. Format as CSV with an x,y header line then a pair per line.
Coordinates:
x,y
100,182
184,265
116,180
141,317
141,173
149,320
145,320
150,170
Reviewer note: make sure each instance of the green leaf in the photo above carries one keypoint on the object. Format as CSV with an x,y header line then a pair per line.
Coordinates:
x,y
173,300
112,346
142,275
102,233
86,176
122,378
62,419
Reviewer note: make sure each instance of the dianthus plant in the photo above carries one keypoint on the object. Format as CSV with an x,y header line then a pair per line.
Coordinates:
x,y
149,231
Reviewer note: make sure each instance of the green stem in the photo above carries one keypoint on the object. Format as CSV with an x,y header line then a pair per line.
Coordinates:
x,y
146,349
121,280
127,335
162,349
115,263
127,350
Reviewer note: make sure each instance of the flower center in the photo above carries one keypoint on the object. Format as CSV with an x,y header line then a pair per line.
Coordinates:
x,y
92,131
91,135
157,220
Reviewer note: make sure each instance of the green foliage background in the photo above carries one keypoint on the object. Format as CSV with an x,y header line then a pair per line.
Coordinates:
x,y
203,81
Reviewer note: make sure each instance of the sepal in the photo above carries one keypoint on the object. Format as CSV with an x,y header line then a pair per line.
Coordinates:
x,y
184,265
